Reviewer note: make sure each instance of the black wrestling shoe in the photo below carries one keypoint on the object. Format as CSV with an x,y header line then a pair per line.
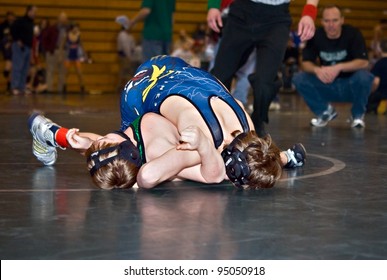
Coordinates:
x,y
296,156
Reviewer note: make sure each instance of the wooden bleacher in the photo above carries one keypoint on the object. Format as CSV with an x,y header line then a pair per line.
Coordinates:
x,y
99,31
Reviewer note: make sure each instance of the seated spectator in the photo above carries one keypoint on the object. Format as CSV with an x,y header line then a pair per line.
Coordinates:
x,y
377,101
200,37
380,31
185,52
289,65
341,74
181,38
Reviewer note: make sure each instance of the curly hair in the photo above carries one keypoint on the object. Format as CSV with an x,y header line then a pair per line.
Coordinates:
x,y
118,174
263,158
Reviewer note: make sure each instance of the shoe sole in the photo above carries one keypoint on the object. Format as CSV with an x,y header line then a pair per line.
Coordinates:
x,y
303,148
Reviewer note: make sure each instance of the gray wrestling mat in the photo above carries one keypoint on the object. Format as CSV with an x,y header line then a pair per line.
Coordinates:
x,y
333,208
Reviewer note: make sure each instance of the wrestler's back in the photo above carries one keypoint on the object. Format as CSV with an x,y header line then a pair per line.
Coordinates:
x,y
186,115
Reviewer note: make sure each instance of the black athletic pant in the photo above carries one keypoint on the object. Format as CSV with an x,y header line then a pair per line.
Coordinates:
x,y
253,25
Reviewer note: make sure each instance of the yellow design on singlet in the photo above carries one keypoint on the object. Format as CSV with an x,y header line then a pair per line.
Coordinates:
x,y
156,75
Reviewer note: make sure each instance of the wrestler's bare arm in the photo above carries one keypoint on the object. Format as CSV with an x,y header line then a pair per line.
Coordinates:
x,y
196,159
80,141
211,162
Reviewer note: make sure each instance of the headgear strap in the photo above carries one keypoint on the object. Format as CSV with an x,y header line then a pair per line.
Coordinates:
x,y
125,150
237,168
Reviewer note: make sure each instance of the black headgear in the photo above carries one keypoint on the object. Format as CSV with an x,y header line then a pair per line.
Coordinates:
x,y
125,150
237,168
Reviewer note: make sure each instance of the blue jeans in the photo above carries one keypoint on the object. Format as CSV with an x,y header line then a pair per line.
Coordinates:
x,y
151,48
20,66
317,95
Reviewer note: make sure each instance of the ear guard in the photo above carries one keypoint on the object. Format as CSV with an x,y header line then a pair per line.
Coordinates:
x,y
237,168
125,150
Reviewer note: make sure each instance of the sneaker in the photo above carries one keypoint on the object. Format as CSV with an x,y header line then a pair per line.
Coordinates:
x,y
358,123
44,153
16,92
328,115
274,106
296,156
44,144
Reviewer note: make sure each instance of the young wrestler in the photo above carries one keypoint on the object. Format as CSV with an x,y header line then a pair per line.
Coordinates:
x,y
119,155
189,96
186,96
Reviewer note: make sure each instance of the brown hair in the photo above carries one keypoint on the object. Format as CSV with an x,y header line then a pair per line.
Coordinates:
x,y
263,158
119,173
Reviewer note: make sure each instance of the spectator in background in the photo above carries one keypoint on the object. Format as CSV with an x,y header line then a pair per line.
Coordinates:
x,y
34,61
53,44
285,75
263,25
290,65
37,75
341,74
158,25
126,47
200,37
6,24
43,26
377,101
185,52
22,32
380,31
180,40
75,55
6,46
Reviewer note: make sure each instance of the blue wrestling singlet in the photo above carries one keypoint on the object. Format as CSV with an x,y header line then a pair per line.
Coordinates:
x,y
165,76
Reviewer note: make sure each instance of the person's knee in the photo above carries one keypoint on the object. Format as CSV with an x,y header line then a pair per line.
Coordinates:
x,y
300,78
363,77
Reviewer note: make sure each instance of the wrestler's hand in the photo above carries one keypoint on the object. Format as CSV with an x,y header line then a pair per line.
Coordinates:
x,y
214,19
192,138
76,141
306,28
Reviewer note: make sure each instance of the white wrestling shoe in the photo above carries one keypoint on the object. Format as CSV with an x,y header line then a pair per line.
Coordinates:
x,y
43,144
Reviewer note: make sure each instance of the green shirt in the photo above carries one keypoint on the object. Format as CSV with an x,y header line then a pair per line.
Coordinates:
x,y
214,4
158,24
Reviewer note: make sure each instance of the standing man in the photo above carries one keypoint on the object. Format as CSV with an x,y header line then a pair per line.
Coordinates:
x,y
341,74
263,25
22,32
53,42
158,25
